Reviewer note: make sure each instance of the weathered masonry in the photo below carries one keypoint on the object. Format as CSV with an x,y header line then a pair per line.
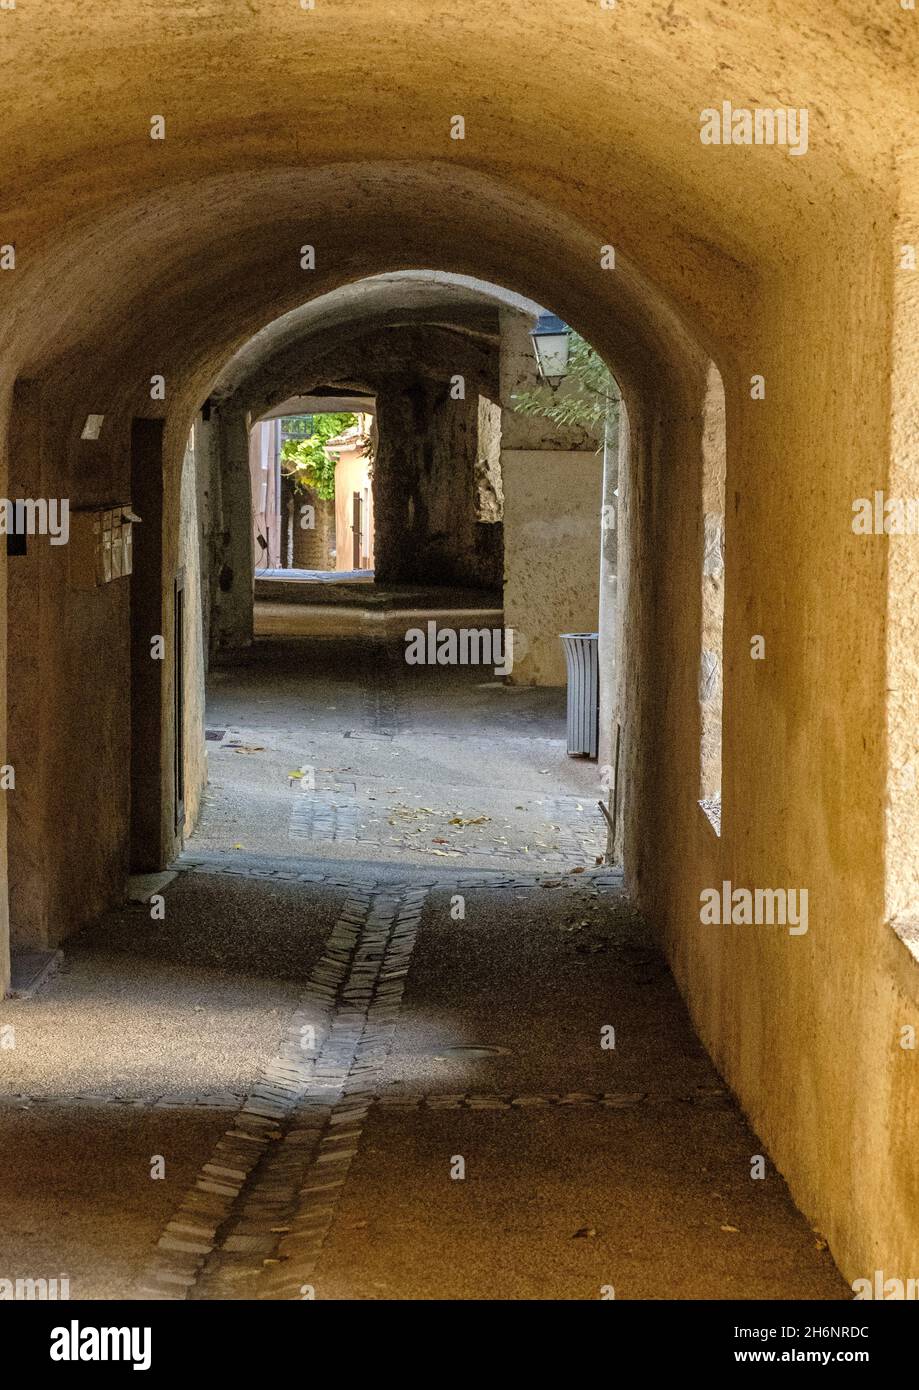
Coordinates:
x,y
128,261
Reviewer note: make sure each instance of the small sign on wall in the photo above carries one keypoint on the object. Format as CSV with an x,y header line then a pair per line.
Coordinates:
x,y
101,545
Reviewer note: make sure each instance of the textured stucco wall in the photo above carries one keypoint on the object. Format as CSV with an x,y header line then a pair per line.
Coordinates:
x,y
137,256
902,904
234,564
551,556
552,516
193,660
68,693
519,372
804,1028
208,468
352,474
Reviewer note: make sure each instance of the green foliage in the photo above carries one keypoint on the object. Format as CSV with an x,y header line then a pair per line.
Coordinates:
x,y
305,460
590,394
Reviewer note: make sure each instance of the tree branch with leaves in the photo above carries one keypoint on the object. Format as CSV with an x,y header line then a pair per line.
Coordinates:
x,y
306,463
590,398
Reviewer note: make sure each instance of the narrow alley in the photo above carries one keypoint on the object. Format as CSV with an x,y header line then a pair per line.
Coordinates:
x,y
459,708
336,741
366,1035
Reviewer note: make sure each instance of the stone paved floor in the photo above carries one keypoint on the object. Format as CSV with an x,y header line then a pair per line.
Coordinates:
x,y
336,746
310,1048
360,1056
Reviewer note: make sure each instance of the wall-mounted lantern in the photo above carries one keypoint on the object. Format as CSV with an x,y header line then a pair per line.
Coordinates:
x,y
551,341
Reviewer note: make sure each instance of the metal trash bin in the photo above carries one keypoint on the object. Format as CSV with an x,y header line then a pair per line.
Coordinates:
x,y
583,692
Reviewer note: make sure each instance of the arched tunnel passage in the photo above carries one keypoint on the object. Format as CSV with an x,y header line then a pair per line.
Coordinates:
x,y
155,274
308,457
470,596
632,342
481,772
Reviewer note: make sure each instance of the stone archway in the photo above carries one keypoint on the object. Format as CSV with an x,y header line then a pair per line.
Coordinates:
x,y
172,254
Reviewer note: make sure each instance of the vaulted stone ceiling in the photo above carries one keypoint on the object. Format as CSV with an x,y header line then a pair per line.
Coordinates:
x,y
176,251
458,303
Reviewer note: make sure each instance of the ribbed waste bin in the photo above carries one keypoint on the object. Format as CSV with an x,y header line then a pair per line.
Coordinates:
x,y
583,691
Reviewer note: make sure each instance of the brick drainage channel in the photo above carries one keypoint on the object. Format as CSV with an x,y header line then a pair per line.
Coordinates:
x,y
254,1223
272,1180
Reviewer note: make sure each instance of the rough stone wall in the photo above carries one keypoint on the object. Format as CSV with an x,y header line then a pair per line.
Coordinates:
x,y
424,490
614,456
711,682
68,693
193,660
313,546
552,481
426,379
489,486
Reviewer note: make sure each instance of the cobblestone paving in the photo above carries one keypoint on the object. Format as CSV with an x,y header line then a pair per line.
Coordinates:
x,y
716,1098
254,1223
566,833
602,880
336,746
272,1178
